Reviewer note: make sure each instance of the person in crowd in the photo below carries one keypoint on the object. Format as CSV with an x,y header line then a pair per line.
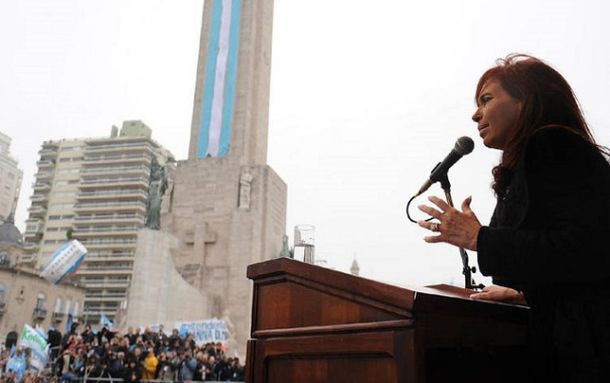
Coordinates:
x,y
174,340
91,369
149,371
87,334
132,372
165,370
188,367
547,242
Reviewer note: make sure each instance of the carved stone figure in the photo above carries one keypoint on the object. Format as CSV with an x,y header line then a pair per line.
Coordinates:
x,y
158,185
245,187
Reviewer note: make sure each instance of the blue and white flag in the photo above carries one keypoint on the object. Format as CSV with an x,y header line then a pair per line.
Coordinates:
x,y
65,261
17,364
218,98
104,320
69,323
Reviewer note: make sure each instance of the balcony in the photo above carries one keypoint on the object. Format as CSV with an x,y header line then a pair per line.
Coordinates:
x,y
114,272
109,243
111,194
108,218
41,175
45,163
38,197
116,158
114,182
106,231
98,257
100,283
31,246
58,316
37,211
113,146
112,206
47,152
39,313
41,186
116,169
33,227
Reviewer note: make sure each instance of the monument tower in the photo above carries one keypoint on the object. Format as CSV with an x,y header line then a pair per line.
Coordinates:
x,y
225,205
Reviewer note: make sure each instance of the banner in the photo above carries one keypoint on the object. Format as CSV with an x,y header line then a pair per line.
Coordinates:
x,y
30,338
64,262
211,330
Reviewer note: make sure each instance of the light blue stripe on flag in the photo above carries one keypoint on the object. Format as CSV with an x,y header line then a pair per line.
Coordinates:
x,y
208,90
227,113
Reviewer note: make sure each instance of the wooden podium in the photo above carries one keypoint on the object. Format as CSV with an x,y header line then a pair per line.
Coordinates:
x,y
311,324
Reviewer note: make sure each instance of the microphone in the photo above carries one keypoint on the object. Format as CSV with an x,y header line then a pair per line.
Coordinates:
x,y
463,146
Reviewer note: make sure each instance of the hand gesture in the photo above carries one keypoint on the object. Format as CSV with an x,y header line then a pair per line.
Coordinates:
x,y
459,228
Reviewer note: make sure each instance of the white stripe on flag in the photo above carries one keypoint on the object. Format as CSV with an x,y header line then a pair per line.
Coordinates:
x,y
219,83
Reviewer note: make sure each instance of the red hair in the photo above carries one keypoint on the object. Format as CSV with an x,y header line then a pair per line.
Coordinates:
x,y
547,102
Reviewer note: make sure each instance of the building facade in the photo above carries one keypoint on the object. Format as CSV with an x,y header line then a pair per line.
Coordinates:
x,y
26,298
95,190
10,179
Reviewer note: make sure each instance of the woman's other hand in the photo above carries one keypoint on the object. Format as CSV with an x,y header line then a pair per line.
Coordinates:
x,y
500,294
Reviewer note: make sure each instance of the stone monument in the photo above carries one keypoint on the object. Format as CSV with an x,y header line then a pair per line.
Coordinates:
x,y
224,204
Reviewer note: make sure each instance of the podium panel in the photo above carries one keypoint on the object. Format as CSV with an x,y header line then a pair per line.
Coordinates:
x,y
311,324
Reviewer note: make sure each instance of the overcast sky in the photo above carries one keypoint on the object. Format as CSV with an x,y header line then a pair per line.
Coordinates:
x,y
366,97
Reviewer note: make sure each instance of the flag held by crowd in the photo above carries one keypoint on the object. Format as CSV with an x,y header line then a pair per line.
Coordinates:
x,y
105,321
30,338
64,262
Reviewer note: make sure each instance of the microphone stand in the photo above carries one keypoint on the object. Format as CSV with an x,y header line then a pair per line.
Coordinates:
x,y
466,269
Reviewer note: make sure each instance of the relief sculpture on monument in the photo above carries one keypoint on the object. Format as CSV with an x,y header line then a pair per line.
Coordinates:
x,y
158,185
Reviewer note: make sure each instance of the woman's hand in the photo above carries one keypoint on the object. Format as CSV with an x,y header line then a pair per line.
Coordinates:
x,y
459,228
500,294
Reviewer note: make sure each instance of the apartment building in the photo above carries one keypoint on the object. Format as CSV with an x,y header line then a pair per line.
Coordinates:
x,y
94,190
10,179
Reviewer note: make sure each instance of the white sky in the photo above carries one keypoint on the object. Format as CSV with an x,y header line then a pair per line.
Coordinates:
x,y
366,97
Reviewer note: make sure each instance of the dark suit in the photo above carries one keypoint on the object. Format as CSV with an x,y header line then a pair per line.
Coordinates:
x,y
550,237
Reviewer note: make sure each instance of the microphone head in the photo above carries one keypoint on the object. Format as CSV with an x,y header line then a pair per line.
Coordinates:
x,y
464,145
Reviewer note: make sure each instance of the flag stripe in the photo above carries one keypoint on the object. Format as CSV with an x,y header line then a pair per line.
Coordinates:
x,y
208,90
219,88
227,118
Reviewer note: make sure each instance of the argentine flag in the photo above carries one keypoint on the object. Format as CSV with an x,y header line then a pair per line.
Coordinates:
x,y
217,102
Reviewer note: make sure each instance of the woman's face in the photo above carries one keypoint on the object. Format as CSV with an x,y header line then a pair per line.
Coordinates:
x,y
496,115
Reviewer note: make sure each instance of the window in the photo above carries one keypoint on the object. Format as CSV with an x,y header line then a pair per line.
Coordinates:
x,y
40,301
4,258
76,307
68,306
2,293
57,305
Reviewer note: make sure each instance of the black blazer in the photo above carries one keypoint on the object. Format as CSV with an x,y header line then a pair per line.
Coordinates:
x,y
550,237
552,227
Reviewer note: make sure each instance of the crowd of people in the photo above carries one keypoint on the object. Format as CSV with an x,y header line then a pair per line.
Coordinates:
x,y
131,357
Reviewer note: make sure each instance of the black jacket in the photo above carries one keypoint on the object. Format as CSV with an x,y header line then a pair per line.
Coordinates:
x,y
550,237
